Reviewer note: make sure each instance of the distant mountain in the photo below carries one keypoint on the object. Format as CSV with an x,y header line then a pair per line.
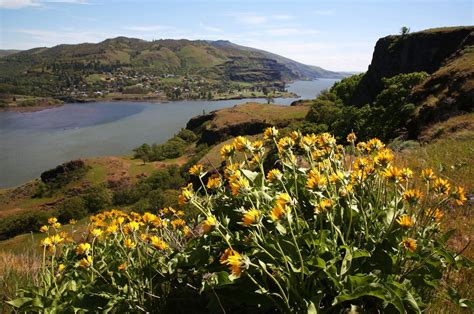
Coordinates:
x,y
209,59
7,52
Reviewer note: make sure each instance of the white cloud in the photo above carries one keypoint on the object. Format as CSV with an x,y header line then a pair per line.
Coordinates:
x,y
52,38
210,28
283,17
249,18
146,28
18,4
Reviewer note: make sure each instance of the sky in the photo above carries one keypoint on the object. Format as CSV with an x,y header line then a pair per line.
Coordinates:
x,y
336,35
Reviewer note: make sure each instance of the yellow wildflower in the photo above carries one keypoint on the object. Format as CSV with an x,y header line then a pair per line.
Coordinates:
x,y
237,182
129,244
86,261
61,267
273,175
122,266
436,214
72,221
208,223
158,244
56,225
186,194
46,242
52,220
280,207
405,221
383,158
241,143
427,174
250,217
270,133
196,170
227,151
233,259
96,232
412,196
409,244
285,143
441,186
392,174
178,223
214,182
459,195
323,206
407,174
149,218
351,137
315,180
374,145
83,248
44,229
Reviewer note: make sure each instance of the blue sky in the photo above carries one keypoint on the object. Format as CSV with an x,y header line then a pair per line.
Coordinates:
x,y
337,35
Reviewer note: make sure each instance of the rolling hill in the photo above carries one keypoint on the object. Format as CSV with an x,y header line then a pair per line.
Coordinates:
x,y
40,71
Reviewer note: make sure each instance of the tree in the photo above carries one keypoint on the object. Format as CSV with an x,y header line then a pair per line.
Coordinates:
x,y
404,30
270,99
143,152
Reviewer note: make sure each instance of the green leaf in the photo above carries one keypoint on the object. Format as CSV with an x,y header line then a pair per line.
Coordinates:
x,y
251,175
19,302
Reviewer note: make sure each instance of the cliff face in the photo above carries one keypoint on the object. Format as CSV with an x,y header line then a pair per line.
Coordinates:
x,y
422,51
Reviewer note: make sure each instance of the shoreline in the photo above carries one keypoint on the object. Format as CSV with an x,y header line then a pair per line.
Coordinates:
x,y
27,109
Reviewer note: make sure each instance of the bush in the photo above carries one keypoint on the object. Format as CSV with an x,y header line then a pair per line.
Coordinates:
x,y
97,197
335,230
72,208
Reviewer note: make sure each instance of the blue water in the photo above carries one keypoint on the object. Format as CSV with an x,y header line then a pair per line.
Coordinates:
x,y
33,142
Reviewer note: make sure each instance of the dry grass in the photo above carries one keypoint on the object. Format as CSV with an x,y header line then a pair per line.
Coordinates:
x,y
451,155
17,270
253,112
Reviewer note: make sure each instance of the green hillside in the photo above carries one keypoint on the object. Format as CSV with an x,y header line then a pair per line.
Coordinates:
x,y
61,69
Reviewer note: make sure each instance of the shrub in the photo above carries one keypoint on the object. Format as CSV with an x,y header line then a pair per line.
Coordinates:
x,y
333,230
97,197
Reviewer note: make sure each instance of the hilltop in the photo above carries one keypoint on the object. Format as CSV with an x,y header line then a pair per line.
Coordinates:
x,y
175,69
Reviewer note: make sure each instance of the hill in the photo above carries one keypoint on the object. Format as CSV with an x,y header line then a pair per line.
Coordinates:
x,y
7,52
121,63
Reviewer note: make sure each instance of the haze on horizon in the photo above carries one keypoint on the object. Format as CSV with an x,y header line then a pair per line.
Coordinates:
x,y
336,35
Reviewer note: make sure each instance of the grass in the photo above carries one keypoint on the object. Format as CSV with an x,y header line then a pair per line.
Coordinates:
x,y
452,156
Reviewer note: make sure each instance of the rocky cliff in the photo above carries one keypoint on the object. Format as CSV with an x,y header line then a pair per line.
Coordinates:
x,y
426,51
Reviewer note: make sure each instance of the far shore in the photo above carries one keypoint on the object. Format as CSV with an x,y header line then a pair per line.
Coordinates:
x,y
134,98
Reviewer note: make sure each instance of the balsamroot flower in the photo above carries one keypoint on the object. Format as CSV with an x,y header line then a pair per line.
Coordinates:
x,y
323,206
83,248
196,170
208,223
270,133
428,175
251,217
86,261
227,151
96,232
412,196
280,207
274,174
315,181
52,220
158,243
234,260
129,244
407,174
383,158
459,195
237,182
436,214
441,186
351,137
409,244
405,221
241,143
393,174
285,143
214,182
44,229
186,194
374,145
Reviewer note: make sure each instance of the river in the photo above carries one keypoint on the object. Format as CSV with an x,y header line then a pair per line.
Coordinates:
x,y
33,142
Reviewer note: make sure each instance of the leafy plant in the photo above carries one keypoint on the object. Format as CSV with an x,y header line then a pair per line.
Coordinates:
x,y
329,229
